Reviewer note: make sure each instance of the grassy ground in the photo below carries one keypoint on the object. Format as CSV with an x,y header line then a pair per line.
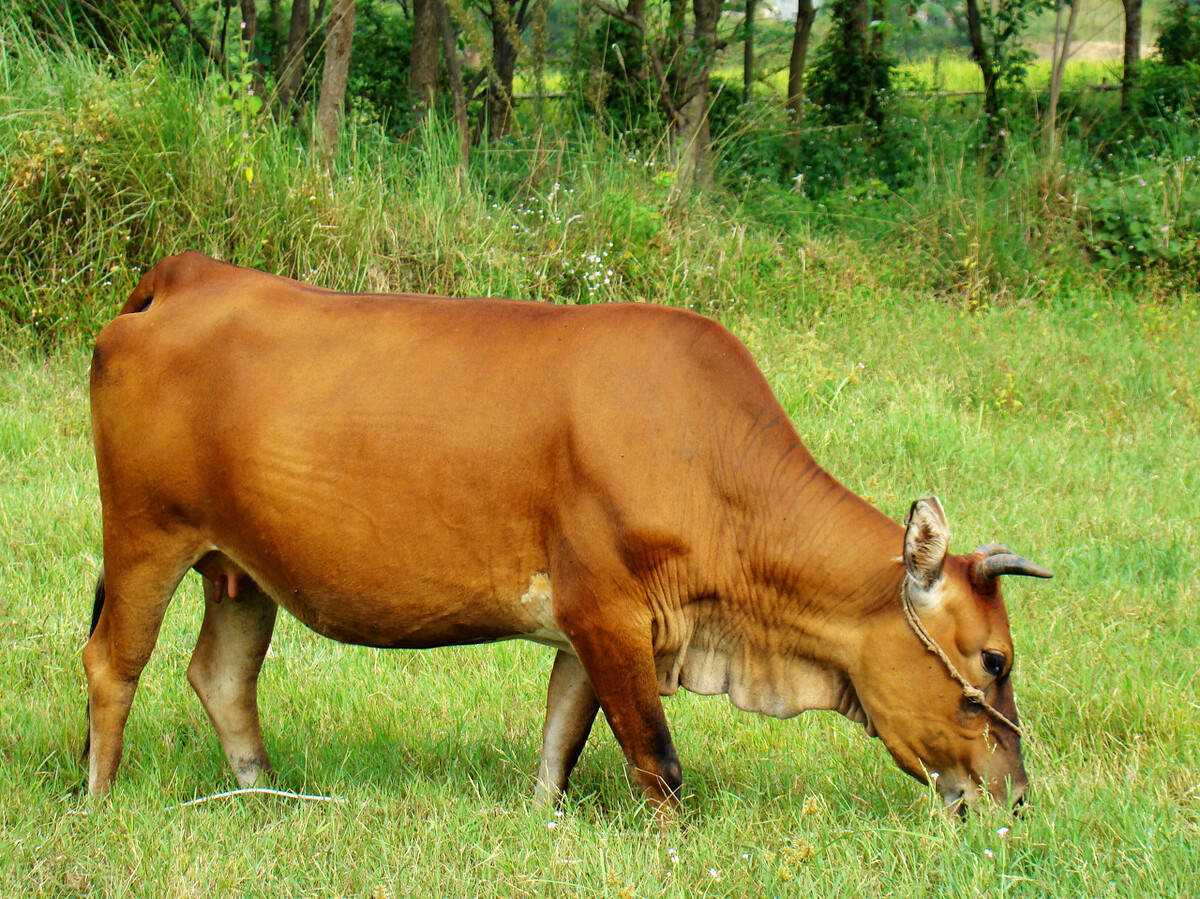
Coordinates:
x,y
1062,419
1069,432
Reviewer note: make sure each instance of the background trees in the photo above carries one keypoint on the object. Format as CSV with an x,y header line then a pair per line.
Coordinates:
x,y
651,70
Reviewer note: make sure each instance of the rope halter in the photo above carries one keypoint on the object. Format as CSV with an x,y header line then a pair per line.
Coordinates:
x,y
969,690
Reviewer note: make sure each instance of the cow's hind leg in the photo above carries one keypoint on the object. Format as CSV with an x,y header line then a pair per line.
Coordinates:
x,y
224,670
571,707
131,602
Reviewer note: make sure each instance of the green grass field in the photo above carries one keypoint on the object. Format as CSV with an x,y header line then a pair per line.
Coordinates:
x,y
1068,432
959,334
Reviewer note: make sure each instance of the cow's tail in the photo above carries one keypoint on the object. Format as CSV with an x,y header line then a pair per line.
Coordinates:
x,y
97,602
97,608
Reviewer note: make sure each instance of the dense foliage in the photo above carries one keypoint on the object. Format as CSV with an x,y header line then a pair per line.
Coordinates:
x,y
108,161
1179,38
850,78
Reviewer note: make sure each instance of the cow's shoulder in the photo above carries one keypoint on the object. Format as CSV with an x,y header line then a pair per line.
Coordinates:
x,y
679,330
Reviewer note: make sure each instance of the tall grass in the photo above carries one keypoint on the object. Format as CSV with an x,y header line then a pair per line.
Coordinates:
x,y
109,164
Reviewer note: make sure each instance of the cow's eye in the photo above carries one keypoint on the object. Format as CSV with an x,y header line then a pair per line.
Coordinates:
x,y
994,663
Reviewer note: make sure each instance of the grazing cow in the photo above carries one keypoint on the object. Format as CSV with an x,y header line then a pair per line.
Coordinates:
x,y
617,482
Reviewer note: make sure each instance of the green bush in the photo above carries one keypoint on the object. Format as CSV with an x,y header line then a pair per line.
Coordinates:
x,y
1179,33
377,83
1148,221
850,77
1169,92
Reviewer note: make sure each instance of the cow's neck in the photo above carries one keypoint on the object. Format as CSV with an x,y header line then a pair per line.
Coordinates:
x,y
811,563
831,559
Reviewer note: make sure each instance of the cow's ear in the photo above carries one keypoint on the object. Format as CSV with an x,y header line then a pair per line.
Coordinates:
x,y
926,539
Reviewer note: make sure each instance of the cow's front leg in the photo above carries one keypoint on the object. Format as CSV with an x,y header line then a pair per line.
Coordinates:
x,y
224,671
614,647
571,707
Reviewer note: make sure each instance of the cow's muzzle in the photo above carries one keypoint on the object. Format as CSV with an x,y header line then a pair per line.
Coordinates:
x,y
960,794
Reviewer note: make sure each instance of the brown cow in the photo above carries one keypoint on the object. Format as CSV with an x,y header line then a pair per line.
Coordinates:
x,y
617,482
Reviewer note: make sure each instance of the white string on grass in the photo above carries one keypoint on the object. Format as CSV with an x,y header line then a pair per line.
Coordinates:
x,y
263,790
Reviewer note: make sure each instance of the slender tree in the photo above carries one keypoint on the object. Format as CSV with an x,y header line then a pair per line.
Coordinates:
x,y
852,73
995,31
748,52
215,52
1061,52
805,14
249,24
1133,50
457,93
249,29
423,57
695,153
983,58
339,39
681,66
293,66
508,21
276,16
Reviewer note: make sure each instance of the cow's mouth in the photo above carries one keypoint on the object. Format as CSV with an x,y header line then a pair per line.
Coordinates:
x,y
958,795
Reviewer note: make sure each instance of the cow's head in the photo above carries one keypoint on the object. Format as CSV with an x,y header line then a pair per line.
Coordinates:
x,y
918,691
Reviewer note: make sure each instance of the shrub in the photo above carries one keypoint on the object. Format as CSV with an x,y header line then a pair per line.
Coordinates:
x,y
1169,92
850,78
1179,33
1147,221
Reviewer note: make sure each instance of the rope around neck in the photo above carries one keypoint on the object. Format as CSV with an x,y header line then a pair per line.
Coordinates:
x,y
970,691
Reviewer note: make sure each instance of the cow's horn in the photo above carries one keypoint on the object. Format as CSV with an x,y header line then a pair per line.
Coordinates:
x,y
1000,560
991,549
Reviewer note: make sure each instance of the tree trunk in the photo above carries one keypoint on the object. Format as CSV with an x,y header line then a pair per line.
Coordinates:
x,y
454,73
214,52
795,91
500,78
1058,66
508,21
991,97
294,65
423,58
748,53
339,36
676,40
249,28
1133,50
858,21
879,14
276,20
692,131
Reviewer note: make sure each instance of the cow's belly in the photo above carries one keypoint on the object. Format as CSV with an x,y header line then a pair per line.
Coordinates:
x,y
381,605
